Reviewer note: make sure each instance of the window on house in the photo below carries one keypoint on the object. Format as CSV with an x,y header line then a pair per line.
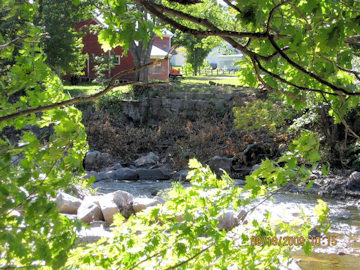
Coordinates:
x,y
116,60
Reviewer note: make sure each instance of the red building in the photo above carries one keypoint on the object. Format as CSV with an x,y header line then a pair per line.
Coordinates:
x,y
121,62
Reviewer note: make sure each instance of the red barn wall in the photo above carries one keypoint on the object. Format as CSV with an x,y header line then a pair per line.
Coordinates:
x,y
162,43
159,71
93,48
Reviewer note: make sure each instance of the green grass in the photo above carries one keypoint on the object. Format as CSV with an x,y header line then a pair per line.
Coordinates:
x,y
188,83
85,89
206,79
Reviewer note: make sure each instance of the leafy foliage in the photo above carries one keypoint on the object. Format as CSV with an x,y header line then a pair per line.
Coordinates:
x,y
40,153
197,49
63,45
271,114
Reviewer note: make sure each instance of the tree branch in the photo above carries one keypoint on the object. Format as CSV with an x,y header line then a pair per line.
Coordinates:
x,y
72,101
270,88
271,15
2,46
278,77
309,73
159,11
355,73
191,258
232,5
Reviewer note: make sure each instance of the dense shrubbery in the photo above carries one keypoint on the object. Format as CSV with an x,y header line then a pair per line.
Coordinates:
x,y
206,135
265,114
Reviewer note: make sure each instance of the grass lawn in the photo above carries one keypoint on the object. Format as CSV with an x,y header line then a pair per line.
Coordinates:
x,y
223,79
188,83
85,89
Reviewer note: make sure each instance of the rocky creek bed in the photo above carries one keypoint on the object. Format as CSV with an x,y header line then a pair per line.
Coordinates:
x,y
127,190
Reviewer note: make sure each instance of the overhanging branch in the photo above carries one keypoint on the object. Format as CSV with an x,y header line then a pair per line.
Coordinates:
x,y
111,85
309,73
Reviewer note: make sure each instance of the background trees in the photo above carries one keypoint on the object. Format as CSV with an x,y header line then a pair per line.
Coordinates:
x,y
197,49
63,45
133,28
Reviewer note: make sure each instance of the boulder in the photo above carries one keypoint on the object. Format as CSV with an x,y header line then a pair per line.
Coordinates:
x,y
95,160
100,224
90,159
126,174
89,210
254,168
181,175
140,204
229,219
154,174
147,160
353,183
67,204
217,163
105,175
108,207
79,191
116,166
124,201
92,235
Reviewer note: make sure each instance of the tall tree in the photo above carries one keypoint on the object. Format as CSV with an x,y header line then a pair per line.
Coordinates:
x,y
63,45
132,27
197,48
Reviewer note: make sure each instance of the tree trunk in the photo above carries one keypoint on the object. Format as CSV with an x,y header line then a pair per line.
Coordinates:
x,y
141,54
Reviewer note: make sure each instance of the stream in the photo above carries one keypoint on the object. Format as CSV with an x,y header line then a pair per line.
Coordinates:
x,y
344,217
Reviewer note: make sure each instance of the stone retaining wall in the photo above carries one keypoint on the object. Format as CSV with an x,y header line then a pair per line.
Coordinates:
x,y
162,103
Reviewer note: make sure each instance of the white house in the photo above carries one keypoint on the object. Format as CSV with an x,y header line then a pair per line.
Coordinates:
x,y
223,57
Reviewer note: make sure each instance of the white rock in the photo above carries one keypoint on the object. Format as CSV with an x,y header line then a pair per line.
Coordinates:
x,y
229,219
92,235
124,201
67,204
89,210
143,203
108,207
292,265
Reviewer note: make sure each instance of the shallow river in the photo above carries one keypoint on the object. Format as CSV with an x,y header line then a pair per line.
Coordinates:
x,y
344,216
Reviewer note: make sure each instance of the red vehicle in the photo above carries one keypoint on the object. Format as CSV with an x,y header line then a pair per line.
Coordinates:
x,y
174,73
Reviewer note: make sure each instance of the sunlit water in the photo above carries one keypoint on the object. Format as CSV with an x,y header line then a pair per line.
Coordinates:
x,y
344,217
345,227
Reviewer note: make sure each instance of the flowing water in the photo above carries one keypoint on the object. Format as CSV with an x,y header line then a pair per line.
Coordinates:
x,y
344,217
345,228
